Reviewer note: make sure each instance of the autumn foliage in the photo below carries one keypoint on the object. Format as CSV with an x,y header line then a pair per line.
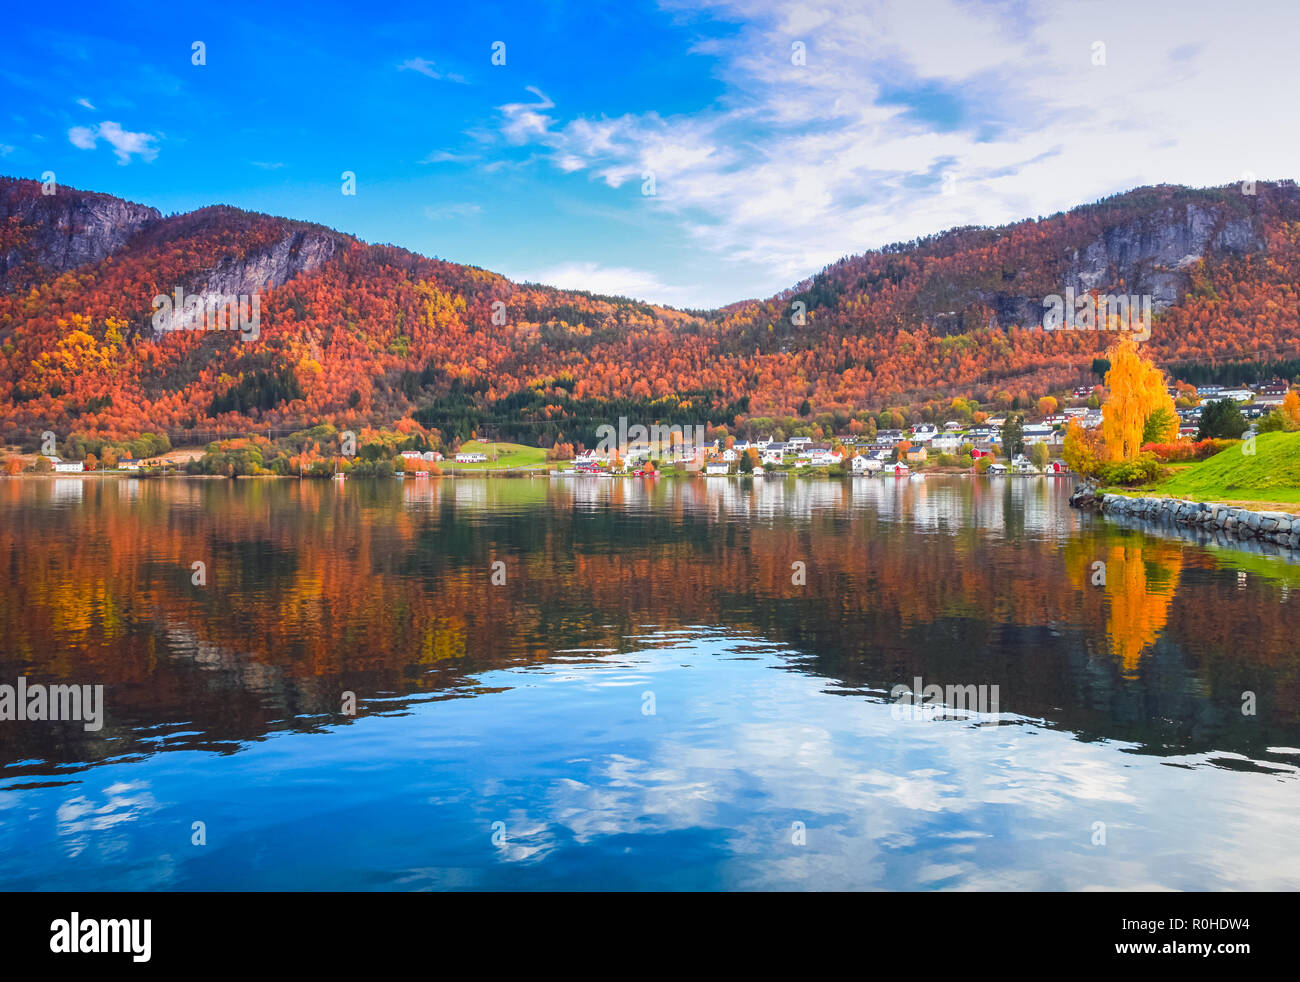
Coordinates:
x,y
376,333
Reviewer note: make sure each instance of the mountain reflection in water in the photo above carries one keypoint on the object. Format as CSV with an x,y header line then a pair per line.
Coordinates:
x,y
525,702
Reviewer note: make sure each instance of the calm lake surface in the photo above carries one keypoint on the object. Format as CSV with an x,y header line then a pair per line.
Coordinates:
x,y
649,699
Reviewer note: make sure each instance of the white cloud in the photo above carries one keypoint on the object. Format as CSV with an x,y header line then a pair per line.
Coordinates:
x,y
618,281
124,142
796,166
85,103
526,121
426,67
446,157
83,137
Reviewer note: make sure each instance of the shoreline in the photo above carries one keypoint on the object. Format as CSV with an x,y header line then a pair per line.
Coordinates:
x,y
1232,521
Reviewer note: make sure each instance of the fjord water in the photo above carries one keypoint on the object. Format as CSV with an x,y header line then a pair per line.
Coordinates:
x,y
649,699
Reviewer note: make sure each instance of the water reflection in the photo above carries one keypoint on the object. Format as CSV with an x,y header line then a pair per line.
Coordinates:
x,y
523,702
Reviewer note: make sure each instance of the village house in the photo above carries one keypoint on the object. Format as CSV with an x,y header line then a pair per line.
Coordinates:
x,y
471,458
1277,387
924,433
917,455
1038,433
716,468
824,458
1236,395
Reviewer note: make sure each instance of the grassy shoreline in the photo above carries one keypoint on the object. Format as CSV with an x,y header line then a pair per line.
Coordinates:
x,y
1267,479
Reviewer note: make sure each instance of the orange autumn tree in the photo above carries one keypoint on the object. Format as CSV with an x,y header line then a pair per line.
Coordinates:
x,y
1291,411
1084,449
1138,391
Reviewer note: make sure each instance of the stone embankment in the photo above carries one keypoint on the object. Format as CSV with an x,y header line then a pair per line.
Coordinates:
x,y
1278,527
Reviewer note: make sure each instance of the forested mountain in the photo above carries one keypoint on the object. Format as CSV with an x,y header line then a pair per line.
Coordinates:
x,y
357,333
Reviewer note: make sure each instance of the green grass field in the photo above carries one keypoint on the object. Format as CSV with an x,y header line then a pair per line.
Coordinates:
x,y
1270,475
510,456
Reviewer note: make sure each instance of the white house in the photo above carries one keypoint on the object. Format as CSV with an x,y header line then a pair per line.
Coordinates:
x,y
795,442
772,456
715,468
68,466
471,458
946,443
730,455
866,465
924,433
997,469
1038,433
1236,395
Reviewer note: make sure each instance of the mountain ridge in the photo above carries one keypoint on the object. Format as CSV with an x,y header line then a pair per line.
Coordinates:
x,y
376,331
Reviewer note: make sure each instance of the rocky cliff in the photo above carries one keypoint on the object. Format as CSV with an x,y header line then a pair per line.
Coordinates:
x,y
47,234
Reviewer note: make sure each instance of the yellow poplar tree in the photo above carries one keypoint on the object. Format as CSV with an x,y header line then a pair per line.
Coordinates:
x,y
1083,449
1137,389
1291,411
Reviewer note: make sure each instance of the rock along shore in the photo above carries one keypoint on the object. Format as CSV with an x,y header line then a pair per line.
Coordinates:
x,y
1278,527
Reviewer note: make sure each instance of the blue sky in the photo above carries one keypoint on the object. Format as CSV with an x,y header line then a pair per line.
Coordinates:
x,y
894,119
